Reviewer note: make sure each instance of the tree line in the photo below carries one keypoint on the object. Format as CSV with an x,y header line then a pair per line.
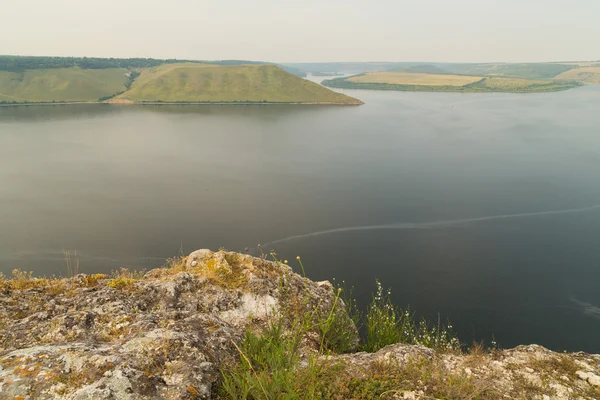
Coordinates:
x,y
21,63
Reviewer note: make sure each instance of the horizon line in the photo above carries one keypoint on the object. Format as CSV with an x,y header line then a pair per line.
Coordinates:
x,y
313,62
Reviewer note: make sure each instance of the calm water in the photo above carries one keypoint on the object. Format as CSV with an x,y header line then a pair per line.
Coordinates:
x,y
134,185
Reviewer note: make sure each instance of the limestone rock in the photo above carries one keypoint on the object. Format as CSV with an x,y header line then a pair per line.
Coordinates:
x,y
161,336
198,256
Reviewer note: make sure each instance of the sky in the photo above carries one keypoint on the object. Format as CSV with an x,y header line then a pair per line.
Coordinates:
x,y
305,30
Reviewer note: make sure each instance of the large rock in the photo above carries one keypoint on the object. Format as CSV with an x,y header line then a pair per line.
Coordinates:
x,y
161,336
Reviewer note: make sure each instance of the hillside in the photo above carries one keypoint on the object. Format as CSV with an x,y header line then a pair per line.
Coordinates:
x,y
430,78
588,75
192,82
523,70
142,80
224,325
61,84
461,77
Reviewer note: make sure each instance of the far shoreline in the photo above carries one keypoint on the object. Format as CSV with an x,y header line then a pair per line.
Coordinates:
x,y
163,103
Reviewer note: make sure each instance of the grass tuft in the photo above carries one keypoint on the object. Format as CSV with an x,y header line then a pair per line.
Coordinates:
x,y
388,324
125,279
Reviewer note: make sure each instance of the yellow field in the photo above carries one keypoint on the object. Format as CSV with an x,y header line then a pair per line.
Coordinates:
x,y
511,83
404,78
589,75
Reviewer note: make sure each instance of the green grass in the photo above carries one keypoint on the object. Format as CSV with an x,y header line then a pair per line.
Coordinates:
x,y
272,365
270,368
167,83
516,85
176,83
61,85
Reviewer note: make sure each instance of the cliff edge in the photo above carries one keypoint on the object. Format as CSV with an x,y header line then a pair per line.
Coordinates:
x,y
174,332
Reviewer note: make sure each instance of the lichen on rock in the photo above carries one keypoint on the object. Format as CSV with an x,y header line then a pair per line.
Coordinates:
x,y
163,335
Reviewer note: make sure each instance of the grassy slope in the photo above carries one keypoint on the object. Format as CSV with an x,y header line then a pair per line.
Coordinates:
x,y
244,83
517,85
588,75
62,84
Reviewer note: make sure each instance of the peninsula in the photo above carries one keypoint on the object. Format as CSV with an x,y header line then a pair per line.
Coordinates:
x,y
472,78
25,80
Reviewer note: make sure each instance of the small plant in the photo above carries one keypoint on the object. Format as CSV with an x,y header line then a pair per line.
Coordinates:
x,y
72,262
387,324
92,280
337,333
22,280
439,337
347,296
176,264
125,279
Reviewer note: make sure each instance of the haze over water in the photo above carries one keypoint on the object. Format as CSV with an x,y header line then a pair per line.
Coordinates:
x,y
482,207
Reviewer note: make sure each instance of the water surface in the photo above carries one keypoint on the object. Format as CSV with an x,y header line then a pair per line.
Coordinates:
x,y
480,207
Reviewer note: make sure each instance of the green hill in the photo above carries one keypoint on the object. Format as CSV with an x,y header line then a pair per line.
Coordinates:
x,y
61,84
142,80
193,82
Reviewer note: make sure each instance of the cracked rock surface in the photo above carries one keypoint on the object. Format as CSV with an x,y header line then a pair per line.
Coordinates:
x,y
163,335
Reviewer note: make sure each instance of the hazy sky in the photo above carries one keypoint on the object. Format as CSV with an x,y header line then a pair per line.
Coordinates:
x,y
305,30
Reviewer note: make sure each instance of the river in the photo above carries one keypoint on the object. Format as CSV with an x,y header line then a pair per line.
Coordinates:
x,y
483,208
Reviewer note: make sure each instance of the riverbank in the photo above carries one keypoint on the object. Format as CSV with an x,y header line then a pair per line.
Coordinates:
x,y
217,324
148,103
482,85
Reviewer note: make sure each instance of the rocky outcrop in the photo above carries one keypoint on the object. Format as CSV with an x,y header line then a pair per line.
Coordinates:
x,y
525,372
163,335
166,334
